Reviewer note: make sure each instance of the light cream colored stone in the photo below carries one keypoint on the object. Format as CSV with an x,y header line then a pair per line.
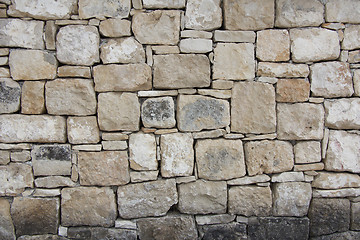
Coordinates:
x,y
76,21
249,180
356,80
149,56
50,35
4,61
224,94
4,51
346,11
327,180
83,130
153,4
339,193
354,56
88,148
288,177
273,45
54,182
166,131
198,16
7,226
33,98
165,49
214,219
114,27
342,113
20,146
222,84
20,156
158,112
10,92
4,72
143,176
234,36
309,167
114,136
142,149
4,157
114,145
282,70
104,8
196,34
74,71
292,90
125,224
197,45
351,37
307,152
209,134
14,178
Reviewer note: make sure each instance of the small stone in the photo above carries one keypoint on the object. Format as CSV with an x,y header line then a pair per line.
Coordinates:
x,y
355,209
84,233
223,94
83,130
74,71
4,72
307,152
327,180
188,179
114,145
142,149
158,112
209,134
62,231
114,136
4,51
346,192
88,148
223,231
270,80
198,16
354,56
288,177
342,11
292,90
143,176
282,70
20,146
54,182
165,49
351,36
10,92
71,22
190,45
214,219
342,113
273,45
104,8
22,156
309,167
4,61
115,27
149,56
33,97
7,227
234,36
249,180
125,224
222,84
186,91
4,157
166,131
356,80
15,177
196,34
153,4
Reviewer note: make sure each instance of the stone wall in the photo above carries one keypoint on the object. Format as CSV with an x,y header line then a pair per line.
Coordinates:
x,y
175,119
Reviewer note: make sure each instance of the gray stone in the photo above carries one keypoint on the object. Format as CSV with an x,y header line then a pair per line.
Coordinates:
x,y
307,152
42,237
164,3
4,157
342,11
142,150
328,180
158,112
282,70
214,219
273,45
104,8
349,235
115,27
190,45
288,177
10,92
342,113
351,36
223,231
53,182
354,57
143,176
50,35
6,223
198,16
234,36
33,97
355,221
95,233
249,180
82,130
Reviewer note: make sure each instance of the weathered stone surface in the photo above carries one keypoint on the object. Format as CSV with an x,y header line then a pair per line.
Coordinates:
x,y
143,176
22,128
146,199
78,45
10,92
166,49
292,90
349,235
4,157
93,233
198,16
342,113
118,111
273,45
77,93
74,71
249,116
173,226
21,33
351,37
195,34
329,216
50,35
53,182
142,150
345,192
307,152
115,27
282,70
157,27
234,61
220,159
42,237
249,180
249,14
314,44
158,112
356,80
223,231
234,36
300,121
104,8
327,180
342,11
342,153
164,3
4,72
214,219
354,56
202,197
250,201
83,130
295,13
268,157
355,210
190,45
32,97
177,71
122,50
114,145
309,167
6,223
35,215
331,79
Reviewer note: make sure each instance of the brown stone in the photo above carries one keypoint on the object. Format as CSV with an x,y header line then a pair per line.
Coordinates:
x,y
273,45
282,70
74,71
292,90
6,223
114,27
33,97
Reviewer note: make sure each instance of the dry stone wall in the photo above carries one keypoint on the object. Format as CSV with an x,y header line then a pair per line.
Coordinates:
x,y
179,119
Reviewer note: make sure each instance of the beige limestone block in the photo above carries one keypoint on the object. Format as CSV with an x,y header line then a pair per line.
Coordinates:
x,y
10,92
32,65
142,150
234,61
54,182
143,176
157,27
104,8
7,227
209,134
14,178
82,130
91,206
214,219
249,116
273,45
234,36
314,44
346,11
115,27
222,84
60,94
282,70
181,71
198,16
309,167
328,180
4,72
4,157
146,199
114,136
351,37
50,35
196,34
292,90
74,71
190,45
300,121
128,77
223,94
118,111
165,49
307,152
288,177
249,180
354,56
158,112
249,14
33,97
153,4
342,113
356,80
114,145
21,156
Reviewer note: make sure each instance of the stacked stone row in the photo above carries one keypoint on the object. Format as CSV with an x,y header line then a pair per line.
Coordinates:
x,y
197,119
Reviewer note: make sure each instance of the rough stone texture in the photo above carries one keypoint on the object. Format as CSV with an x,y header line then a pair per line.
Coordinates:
x,y
354,56
355,210
214,219
342,113
33,97
248,14
143,176
250,201
176,71
10,92
327,180
157,27
6,223
4,157
94,233
74,71
114,27
349,235
249,116
342,153
314,44
103,168
32,65
190,45
42,237
220,159
134,77
33,216
249,180
82,130
300,121
146,199
268,157
273,45
104,8
234,36
158,112
21,128
234,61
142,149
202,197
78,45
331,79
288,177
15,177
54,182
118,111
89,206
342,11
195,113
356,80
282,70
292,90
50,35
77,93
329,216
177,155
163,3
223,231
307,152
351,36
198,16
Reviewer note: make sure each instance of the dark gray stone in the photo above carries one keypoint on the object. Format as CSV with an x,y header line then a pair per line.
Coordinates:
x,y
6,223
42,237
278,228
51,152
158,112
223,231
339,236
10,92
95,233
329,215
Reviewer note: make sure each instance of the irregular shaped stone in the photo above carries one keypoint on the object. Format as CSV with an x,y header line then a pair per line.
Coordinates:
x,y
202,197
104,8
103,168
307,152
234,36
10,92
15,177
158,112
42,237
214,219
4,157
351,36
198,16
82,130
92,233
292,90
157,27
331,79
288,177
327,180
223,231
177,71
77,93
342,113
114,27
146,199
78,45
21,33
143,176
300,121
342,11
234,61
220,159
268,157
118,111
343,235
195,113
7,227
153,4
314,44
250,201
249,180
273,45
190,45
4,72
22,128
249,14
33,97
282,70
54,182
142,150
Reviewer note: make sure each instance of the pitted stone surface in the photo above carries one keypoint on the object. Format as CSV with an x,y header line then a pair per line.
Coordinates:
x,y
14,178
342,113
307,152
158,112
198,16
104,8
327,180
292,90
351,36
83,130
10,93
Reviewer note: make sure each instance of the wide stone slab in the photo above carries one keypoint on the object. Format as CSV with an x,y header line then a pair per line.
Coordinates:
x,y
342,113
142,150
14,178
54,182
104,8
198,16
6,223
93,233
163,4
10,92
223,231
282,70
342,11
82,130
158,112
328,180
